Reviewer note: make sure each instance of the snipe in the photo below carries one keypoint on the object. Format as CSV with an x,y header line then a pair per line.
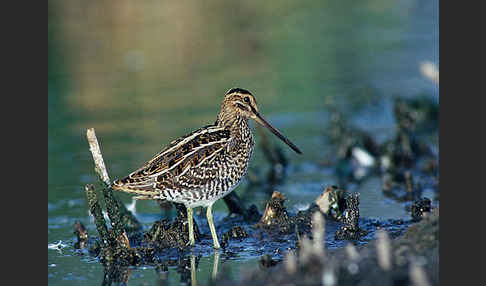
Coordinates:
x,y
205,165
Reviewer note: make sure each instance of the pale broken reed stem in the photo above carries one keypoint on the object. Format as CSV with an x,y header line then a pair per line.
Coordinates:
x,y
306,249
94,147
318,229
290,262
352,252
112,205
418,275
383,250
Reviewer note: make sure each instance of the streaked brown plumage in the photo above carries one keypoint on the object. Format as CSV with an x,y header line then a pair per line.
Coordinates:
x,y
205,165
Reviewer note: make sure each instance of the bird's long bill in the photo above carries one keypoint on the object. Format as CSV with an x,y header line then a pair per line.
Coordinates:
x,y
263,122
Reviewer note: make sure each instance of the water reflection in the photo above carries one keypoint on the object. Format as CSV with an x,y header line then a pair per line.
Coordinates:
x,y
186,269
215,264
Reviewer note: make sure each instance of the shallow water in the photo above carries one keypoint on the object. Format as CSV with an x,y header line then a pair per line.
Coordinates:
x,y
359,57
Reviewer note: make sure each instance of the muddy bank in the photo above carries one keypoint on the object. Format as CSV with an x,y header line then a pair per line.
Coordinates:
x,y
331,222
410,259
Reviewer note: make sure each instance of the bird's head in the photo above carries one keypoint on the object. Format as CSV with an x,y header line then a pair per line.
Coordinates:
x,y
240,103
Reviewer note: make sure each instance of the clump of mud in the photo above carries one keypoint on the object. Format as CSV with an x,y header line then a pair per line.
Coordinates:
x,y
351,230
275,214
165,234
420,208
336,204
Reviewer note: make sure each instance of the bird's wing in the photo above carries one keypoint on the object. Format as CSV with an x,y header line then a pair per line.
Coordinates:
x,y
175,160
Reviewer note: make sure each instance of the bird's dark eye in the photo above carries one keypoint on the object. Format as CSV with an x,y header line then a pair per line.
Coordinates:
x,y
246,99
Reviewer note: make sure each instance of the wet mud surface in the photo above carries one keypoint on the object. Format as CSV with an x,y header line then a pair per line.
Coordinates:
x,y
411,258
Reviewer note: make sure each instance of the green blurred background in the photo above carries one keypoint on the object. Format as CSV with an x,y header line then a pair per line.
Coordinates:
x,y
143,73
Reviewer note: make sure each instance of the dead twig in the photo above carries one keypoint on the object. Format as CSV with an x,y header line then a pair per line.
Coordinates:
x,y
112,205
94,147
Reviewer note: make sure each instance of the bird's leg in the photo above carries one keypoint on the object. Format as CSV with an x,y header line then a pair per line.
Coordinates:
x,y
191,225
209,215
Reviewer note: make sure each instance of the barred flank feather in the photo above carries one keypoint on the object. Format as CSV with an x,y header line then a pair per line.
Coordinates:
x,y
153,193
